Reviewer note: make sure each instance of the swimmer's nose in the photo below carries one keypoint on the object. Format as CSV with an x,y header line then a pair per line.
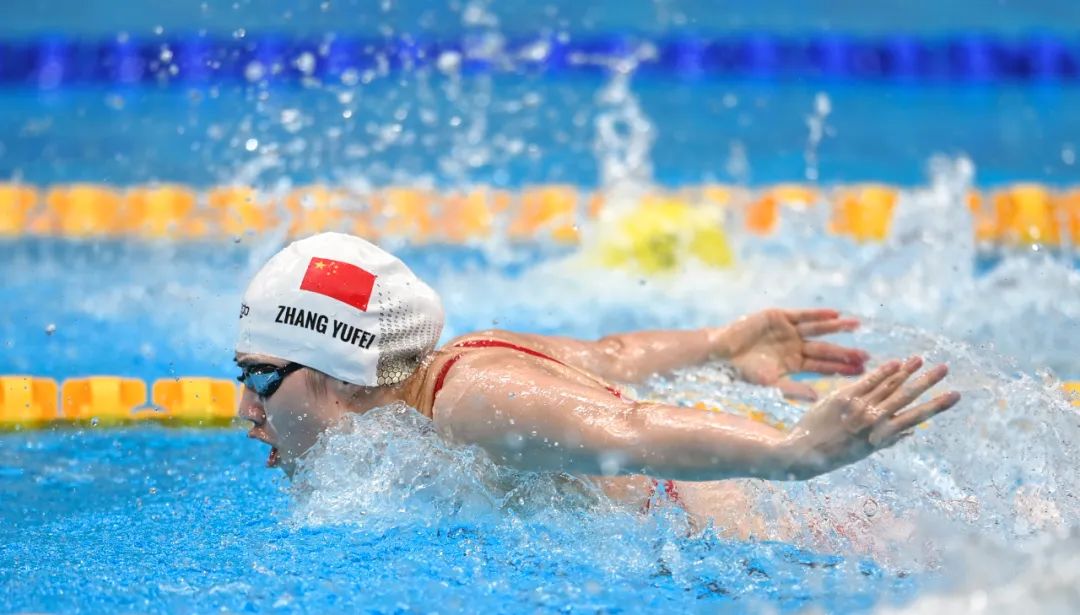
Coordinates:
x,y
251,408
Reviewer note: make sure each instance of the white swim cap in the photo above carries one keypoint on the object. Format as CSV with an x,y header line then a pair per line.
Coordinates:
x,y
343,306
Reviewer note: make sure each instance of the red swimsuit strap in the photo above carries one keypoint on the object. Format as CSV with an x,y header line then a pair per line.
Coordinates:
x,y
441,380
669,485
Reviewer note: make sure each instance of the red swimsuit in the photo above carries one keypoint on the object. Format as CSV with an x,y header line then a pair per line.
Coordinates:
x,y
669,485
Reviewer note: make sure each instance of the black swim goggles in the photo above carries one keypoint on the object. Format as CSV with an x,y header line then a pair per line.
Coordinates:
x,y
264,379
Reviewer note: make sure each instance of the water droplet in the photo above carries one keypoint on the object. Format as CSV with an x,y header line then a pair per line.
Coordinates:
x,y
254,71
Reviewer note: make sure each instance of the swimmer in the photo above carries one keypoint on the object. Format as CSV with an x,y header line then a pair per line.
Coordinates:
x,y
333,325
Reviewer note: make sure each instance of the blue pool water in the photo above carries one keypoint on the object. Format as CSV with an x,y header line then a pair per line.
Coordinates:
x,y
979,508
150,520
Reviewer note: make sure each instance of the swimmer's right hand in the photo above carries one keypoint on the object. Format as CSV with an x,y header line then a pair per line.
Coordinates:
x,y
865,416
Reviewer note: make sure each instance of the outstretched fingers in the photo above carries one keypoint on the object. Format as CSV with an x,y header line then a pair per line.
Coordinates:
x,y
873,380
894,382
828,368
831,352
816,328
811,315
902,396
892,430
796,390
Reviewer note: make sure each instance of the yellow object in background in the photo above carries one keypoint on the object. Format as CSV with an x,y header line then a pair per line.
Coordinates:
x,y
106,398
1072,390
239,209
661,233
195,399
25,400
16,204
163,212
746,410
83,210
1025,214
865,213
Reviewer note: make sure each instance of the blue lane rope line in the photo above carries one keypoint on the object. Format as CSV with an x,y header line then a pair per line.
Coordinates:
x,y
55,61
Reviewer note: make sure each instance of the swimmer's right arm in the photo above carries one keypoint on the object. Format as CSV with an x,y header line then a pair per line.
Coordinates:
x,y
765,347
531,418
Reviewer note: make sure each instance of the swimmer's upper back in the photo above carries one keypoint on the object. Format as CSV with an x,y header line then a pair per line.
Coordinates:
x,y
538,350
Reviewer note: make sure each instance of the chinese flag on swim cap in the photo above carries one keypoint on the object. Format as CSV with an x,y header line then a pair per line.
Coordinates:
x,y
345,282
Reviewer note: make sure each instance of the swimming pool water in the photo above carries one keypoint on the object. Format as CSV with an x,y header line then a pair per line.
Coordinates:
x,y
386,518
152,520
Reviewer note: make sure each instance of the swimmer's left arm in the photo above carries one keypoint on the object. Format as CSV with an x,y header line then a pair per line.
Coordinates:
x,y
528,416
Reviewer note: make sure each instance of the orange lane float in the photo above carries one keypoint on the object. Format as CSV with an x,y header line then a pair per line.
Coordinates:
x,y
83,210
547,211
315,209
471,216
237,210
405,213
1072,392
16,204
865,212
1017,215
163,212
1025,215
106,398
26,401
763,214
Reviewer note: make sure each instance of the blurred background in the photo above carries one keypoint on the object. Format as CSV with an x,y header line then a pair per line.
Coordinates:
x,y
506,93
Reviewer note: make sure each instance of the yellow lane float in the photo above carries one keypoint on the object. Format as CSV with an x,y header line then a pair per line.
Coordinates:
x,y
199,400
163,212
83,210
315,209
17,202
865,212
1025,215
763,215
1017,215
470,216
26,401
237,210
405,213
105,398
547,211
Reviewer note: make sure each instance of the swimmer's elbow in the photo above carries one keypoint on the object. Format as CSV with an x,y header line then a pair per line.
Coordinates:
x,y
618,358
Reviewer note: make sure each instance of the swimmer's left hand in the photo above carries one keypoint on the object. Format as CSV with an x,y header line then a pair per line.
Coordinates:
x,y
767,346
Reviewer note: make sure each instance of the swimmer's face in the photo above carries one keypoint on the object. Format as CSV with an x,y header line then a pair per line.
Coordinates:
x,y
291,419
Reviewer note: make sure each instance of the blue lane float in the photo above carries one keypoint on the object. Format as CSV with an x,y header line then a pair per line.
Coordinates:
x,y
54,61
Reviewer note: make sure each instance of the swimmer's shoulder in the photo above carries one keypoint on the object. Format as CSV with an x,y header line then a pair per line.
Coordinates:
x,y
498,335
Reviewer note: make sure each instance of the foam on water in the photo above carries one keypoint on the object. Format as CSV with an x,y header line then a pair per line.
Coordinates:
x,y
387,473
